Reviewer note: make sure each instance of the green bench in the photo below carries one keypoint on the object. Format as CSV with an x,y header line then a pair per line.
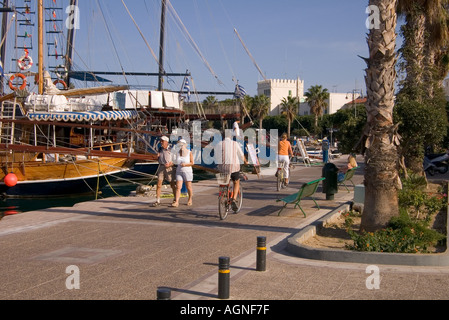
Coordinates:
x,y
307,190
348,177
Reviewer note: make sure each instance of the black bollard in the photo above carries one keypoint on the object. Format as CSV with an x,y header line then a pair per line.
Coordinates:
x,y
163,294
261,263
224,274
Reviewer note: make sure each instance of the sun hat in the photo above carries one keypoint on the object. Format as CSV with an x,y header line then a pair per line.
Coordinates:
x,y
164,138
182,141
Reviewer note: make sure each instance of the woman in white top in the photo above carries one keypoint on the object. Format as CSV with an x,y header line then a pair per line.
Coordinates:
x,y
184,172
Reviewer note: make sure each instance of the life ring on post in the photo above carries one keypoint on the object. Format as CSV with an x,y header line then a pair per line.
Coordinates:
x,y
61,82
24,81
25,62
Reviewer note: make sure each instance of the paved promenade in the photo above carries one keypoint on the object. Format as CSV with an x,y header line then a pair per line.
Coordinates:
x,y
123,249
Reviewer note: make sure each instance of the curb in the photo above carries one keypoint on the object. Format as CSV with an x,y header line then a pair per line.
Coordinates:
x,y
296,247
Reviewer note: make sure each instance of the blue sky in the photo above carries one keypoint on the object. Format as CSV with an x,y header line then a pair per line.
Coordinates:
x,y
318,41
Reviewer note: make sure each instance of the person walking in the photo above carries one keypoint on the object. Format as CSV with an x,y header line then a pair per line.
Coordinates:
x,y
184,172
165,170
284,153
325,148
236,128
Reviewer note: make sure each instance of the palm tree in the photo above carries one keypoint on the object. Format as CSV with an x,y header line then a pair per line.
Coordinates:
x,y
210,101
425,33
289,108
381,145
260,108
425,62
437,48
316,97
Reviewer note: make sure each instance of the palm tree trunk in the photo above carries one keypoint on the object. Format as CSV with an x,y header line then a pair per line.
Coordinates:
x,y
381,159
416,26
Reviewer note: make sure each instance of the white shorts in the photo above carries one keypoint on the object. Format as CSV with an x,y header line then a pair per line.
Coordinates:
x,y
184,176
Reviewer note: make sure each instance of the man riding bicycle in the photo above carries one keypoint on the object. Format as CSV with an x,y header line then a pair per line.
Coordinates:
x,y
232,154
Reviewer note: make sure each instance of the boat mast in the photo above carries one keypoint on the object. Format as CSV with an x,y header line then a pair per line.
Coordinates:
x,y
161,46
69,50
40,18
3,48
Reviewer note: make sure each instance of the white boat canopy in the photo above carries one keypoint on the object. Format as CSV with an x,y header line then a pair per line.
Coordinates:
x,y
83,116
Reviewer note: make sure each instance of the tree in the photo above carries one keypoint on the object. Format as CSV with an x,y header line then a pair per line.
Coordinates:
x,y
349,128
210,101
289,108
426,39
316,98
425,63
260,108
382,180
436,49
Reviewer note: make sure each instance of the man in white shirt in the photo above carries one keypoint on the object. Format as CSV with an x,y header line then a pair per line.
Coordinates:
x,y
232,154
236,128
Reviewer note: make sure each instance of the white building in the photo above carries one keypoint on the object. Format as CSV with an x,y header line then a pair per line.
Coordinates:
x,y
336,102
277,90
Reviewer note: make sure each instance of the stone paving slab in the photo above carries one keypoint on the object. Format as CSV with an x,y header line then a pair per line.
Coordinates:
x,y
126,250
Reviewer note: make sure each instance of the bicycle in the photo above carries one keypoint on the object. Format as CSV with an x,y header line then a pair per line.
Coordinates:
x,y
226,195
280,174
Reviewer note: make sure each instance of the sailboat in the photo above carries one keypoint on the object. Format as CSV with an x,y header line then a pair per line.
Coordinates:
x,y
60,142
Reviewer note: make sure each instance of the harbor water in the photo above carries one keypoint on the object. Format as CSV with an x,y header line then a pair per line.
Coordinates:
x,y
118,188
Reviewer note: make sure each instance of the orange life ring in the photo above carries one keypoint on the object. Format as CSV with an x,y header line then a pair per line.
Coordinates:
x,y
61,82
24,83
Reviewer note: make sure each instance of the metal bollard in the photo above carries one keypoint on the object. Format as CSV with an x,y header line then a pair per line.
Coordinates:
x,y
163,294
224,274
261,263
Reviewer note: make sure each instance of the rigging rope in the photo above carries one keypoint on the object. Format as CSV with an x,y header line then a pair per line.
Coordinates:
x,y
192,42
250,55
141,34
112,41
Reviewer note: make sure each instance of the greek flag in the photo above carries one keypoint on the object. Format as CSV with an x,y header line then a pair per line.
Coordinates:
x,y
186,88
239,92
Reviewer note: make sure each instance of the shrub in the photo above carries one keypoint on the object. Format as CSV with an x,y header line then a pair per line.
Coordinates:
x,y
408,233
403,235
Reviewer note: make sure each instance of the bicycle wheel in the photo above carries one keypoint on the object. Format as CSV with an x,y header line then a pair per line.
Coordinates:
x,y
239,200
223,204
280,180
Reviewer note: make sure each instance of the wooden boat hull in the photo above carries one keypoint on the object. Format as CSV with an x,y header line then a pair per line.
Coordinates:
x,y
37,179
142,171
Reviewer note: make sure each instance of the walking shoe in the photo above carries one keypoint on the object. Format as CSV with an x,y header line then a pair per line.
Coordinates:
x,y
155,204
234,206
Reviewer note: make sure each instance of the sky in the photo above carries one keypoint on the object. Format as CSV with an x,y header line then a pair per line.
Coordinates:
x,y
317,41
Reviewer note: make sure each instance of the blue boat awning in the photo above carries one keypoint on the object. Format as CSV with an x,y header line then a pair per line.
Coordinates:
x,y
87,76
83,116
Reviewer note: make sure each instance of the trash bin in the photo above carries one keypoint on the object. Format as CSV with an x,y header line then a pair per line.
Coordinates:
x,y
330,185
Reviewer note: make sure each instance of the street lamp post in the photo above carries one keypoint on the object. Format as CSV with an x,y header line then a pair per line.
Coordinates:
x,y
354,104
